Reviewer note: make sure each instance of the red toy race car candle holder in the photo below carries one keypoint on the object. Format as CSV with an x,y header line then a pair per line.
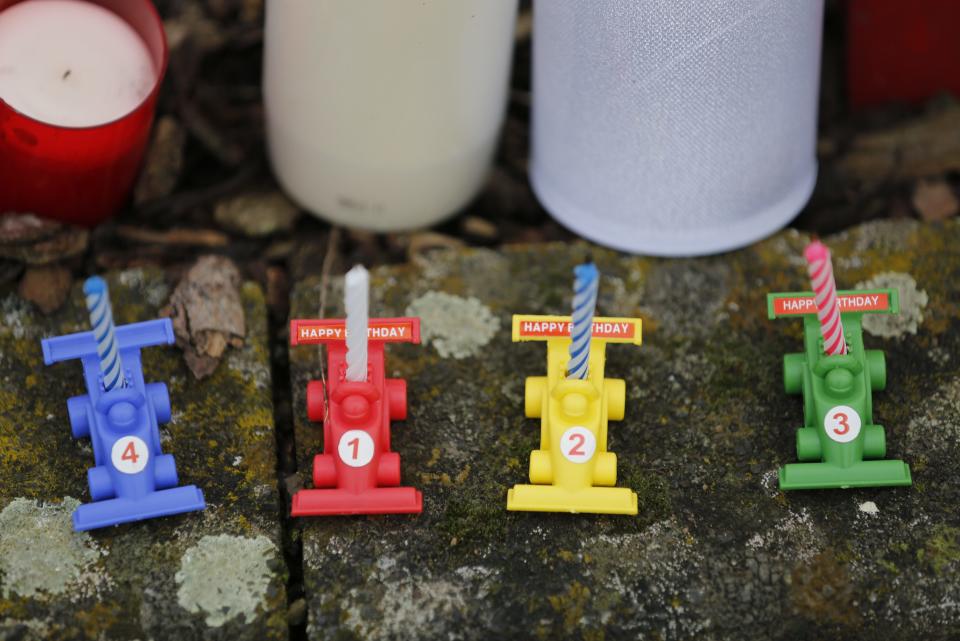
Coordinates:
x,y
357,473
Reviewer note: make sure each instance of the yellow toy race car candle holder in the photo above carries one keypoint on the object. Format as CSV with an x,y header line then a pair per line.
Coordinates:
x,y
573,471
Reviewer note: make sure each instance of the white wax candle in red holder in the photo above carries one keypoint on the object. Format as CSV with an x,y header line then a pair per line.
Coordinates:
x,y
78,86
820,269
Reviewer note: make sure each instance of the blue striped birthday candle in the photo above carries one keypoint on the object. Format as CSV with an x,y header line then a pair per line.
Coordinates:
x,y
586,283
101,319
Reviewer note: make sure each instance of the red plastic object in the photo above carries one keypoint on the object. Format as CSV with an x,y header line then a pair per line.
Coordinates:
x,y
80,175
357,473
901,51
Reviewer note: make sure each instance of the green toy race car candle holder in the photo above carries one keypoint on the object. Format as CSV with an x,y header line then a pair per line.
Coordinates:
x,y
839,445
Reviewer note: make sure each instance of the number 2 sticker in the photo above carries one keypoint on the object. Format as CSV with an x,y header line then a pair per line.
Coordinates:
x,y
578,444
355,448
129,454
842,423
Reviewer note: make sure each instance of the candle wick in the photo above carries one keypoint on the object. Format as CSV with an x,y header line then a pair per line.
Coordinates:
x,y
66,74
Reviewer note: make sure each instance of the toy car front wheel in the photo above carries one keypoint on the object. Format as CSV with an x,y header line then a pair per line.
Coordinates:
x,y
605,473
101,487
397,397
316,403
78,410
808,444
324,471
165,472
388,469
874,442
541,472
160,399
533,392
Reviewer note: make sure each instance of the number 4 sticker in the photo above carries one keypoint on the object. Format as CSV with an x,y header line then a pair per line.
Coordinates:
x,y
578,444
129,454
842,423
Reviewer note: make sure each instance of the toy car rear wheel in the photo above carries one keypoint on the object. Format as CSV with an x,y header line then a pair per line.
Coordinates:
x,y
324,471
388,469
793,365
101,487
78,410
316,403
160,398
534,389
877,366
165,472
397,397
616,391
541,472
605,472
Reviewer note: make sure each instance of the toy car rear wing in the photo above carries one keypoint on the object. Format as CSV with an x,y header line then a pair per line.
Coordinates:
x,y
867,301
134,335
610,330
333,330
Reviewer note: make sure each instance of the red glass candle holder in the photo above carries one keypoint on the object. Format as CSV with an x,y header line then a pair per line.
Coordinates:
x,y
901,51
80,175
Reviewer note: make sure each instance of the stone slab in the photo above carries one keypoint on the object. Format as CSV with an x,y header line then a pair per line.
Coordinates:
x,y
217,574
717,551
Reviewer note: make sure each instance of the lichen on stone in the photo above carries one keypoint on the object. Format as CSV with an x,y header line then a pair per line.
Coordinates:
x,y
224,577
912,302
456,327
39,551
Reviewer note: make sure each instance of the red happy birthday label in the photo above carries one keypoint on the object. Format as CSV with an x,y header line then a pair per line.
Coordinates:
x,y
798,305
305,332
560,329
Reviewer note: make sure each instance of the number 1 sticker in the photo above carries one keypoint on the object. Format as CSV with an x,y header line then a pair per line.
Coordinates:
x,y
578,444
129,454
842,423
355,448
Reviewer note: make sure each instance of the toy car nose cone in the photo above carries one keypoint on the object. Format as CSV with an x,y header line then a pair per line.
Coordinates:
x,y
355,406
840,380
122,414
574,404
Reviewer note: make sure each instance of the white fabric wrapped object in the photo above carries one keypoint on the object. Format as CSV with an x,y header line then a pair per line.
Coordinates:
x,y
675,127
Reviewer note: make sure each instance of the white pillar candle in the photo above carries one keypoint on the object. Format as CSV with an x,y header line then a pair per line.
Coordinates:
x,y
72,63
357,299
385,114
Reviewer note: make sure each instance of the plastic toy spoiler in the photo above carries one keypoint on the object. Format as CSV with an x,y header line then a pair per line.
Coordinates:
x,y
386,330
609,330
867,301
144,334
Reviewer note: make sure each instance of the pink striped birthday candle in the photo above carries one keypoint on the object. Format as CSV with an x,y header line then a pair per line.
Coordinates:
x,y
825,290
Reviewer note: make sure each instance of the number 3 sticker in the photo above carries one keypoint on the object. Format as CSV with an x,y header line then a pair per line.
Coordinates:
x,y
355,448
129,454
842,423
578,444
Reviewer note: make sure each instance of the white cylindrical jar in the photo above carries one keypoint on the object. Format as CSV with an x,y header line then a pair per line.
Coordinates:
x,y
384,114
675,127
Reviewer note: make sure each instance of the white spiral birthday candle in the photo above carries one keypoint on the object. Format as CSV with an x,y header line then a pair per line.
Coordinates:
x,y
586,283
357,286
101,320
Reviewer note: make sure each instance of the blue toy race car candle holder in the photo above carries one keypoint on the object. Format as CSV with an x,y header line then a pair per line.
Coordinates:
x,y
133,479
